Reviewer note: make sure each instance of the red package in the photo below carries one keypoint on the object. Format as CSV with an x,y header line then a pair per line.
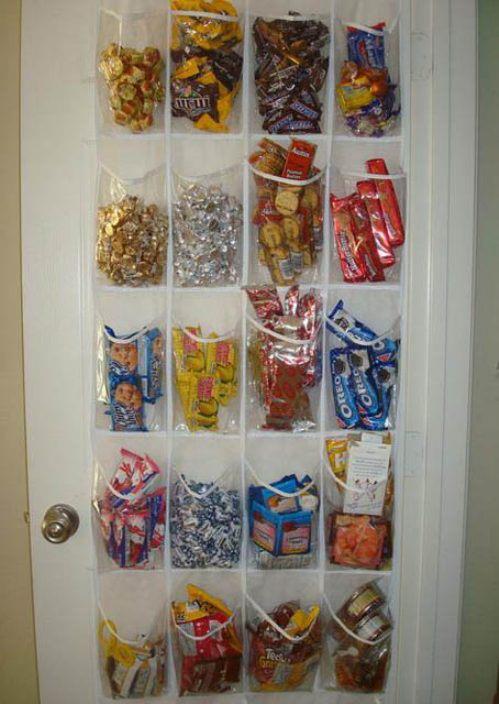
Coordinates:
x,y
265,300
389,202
358,540
352,264
299,160
369,194
364,238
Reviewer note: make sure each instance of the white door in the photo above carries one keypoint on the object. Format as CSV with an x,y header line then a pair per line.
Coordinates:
x,y
436,148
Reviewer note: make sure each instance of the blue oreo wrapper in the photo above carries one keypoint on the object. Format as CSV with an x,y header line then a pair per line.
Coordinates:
x,y
355,333
345,405
366,48
364,388
151,353
385,377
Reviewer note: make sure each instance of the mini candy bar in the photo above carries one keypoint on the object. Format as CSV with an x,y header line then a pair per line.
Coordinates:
x,y
369,194
290,72
365,93
278,664
358,540
205,525
345,405
207,72
205,376
364,239
133,526
151,358
389,202
351,260
282,525
133,78
284,371
207,225
131,242
133,671
212,662
289,217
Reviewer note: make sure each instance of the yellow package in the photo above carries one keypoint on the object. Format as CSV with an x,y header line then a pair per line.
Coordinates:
x,y
221,360
188,352
211,605
337,452
203,404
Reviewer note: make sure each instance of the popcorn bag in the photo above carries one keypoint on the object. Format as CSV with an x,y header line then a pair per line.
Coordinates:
x,y
131,71
206,49
131,634
132,229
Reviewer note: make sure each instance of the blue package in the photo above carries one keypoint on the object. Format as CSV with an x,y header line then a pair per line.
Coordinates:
x,y
364,388
354,333
344,398
150,363
122,355
126,404
366,46
282,504
385,377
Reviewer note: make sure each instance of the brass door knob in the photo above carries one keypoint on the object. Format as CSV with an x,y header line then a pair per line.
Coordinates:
x,y
60,523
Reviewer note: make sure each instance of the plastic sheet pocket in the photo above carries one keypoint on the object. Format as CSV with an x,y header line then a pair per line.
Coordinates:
x,y
358,641
131,71
131,634
284,631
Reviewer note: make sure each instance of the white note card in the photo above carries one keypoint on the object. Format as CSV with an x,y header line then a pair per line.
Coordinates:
x,y
367,471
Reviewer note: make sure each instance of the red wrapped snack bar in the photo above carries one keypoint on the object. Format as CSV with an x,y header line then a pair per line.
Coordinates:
x,y
369,194
208,649
389,202
351,260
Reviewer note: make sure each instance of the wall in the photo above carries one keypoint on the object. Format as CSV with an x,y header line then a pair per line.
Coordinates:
x,y
18,683
480,626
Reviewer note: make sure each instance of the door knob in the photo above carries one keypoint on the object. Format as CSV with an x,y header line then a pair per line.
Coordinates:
x,y
60,523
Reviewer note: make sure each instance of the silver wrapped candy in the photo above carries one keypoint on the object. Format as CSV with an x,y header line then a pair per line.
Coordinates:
x,y
207,224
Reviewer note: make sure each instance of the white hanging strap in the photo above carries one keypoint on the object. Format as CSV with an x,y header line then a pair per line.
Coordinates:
x,y
203,340
364,28
215,630
273,489
202,177
205,15
126,497
287,181
131,13
283,338
281,631
137,179
374,177
295,18
349,487
350,633
139,643
207,493
127,340
334,327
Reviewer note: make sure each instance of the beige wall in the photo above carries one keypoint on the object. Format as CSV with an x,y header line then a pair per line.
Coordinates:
x,y
18,683
480,629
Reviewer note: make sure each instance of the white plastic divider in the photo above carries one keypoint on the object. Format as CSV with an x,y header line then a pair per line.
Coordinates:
x,y
371,303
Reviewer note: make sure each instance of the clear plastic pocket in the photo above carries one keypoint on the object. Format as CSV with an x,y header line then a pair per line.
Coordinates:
x,y
206,51
208,220
287,194
358,634
132,229
130,373
291,63
132,634
206,357
358,501
285,631
129,517
207,634
363,357
283,510
285,370
366,47
131,71
368,223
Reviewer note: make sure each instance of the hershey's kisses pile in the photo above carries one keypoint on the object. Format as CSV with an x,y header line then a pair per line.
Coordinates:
x,y
205,525
131,242
208,225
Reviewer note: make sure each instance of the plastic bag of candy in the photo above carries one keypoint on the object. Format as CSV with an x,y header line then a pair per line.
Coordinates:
x,y
130,370
132,229
286,639
132,634
359,489
291,57
205,521
366,93
206,47
284,352
130,508
288,201
367,223
364,371
131,83
357,638
208,228
208,647
282,521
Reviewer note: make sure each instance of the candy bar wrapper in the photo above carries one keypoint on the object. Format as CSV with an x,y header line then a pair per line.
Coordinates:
x,y
207,63
369,194
352,262
152,356
389,202
291,59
